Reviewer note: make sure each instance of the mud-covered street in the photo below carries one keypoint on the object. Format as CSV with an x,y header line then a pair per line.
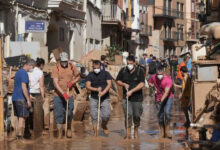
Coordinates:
x,y
83,134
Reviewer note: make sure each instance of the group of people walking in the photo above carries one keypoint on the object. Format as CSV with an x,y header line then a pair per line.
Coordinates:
x,y
29,87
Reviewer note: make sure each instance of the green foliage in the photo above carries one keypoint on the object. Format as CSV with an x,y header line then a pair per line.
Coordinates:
x,y
113,50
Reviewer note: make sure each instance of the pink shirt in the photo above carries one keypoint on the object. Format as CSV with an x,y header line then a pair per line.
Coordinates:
x,y
166,82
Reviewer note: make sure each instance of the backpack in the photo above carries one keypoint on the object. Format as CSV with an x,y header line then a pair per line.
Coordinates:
x,y
152,68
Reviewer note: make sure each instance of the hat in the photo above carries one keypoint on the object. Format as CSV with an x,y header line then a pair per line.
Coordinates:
x,y
64,56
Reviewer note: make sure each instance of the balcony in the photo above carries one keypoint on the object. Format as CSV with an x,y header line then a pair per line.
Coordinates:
x,y
77,4
146,31
165,13
180,14
111,13
192,37
180,36
169,36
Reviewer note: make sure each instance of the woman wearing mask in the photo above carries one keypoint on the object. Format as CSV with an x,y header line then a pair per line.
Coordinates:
x,y
36,85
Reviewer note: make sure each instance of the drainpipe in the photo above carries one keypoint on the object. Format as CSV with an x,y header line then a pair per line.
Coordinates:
x,y
84,27
16,23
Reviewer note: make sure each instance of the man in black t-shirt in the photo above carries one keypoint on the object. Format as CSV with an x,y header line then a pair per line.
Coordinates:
x,y
99,82
132,78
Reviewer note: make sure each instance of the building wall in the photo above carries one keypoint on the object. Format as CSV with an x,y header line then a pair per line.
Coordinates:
x,y
93,28
63,33
135,23
156,42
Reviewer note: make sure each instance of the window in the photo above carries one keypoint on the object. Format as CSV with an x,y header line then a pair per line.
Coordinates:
x,y
61,34
181,11
193,27
193,7
91,46
180,31
97,44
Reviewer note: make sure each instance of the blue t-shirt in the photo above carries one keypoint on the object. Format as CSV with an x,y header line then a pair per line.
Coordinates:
x,y
149,61
21,76
216,135
142,62
102,66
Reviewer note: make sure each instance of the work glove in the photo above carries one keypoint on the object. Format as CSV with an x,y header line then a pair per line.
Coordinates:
x,y
66,97
70,84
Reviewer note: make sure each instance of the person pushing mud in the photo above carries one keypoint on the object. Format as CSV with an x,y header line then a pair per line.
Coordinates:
x,y
64,75
132,78
99,83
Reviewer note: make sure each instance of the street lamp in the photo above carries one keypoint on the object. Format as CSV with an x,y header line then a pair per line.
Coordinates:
x,y
202,16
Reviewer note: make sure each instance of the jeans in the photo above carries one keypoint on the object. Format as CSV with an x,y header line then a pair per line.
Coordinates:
x,y
60,109
135,110
164,110
105,110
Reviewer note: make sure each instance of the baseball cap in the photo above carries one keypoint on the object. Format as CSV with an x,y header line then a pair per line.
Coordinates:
x,y
64,56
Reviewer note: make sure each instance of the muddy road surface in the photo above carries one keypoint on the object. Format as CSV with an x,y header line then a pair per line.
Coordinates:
x,y
83,134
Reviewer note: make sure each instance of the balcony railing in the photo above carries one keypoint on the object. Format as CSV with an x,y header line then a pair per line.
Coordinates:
x,y
169,36
180,36
165,12
56,3
147,30
180,14
111,12
192,37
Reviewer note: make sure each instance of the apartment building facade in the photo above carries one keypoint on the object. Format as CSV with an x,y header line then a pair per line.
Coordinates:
x,y
168,35
145,27
113,22
51,23
192,23
93,27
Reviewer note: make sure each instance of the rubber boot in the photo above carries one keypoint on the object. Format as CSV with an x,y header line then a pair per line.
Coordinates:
x,y
167,131
161,134
69,131
136,133
21,139
128,134
60,131
104,127
95,130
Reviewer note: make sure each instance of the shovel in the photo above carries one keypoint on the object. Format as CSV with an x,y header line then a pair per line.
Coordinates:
x,y
67,109
98,115
127,119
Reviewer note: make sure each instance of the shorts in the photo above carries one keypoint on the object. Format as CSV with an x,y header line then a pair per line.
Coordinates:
x,y
20,108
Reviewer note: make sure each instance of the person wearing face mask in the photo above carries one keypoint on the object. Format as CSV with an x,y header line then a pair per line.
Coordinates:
x,y
99,83
132,79
36,85
164,100
65,76
21,97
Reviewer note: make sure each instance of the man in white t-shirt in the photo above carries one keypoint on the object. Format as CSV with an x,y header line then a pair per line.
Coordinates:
x,y
36,84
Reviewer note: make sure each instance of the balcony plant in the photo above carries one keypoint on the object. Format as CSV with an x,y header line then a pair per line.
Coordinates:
x,y
112,51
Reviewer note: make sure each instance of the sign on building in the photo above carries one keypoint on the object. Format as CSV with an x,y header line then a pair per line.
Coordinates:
x,y
34,26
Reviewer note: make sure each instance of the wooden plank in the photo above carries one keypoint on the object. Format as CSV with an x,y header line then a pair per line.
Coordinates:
x,y
200,91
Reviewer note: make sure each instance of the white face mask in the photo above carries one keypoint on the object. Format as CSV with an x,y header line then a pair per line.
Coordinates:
x,y
130,67
160,76
97,71
31,70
